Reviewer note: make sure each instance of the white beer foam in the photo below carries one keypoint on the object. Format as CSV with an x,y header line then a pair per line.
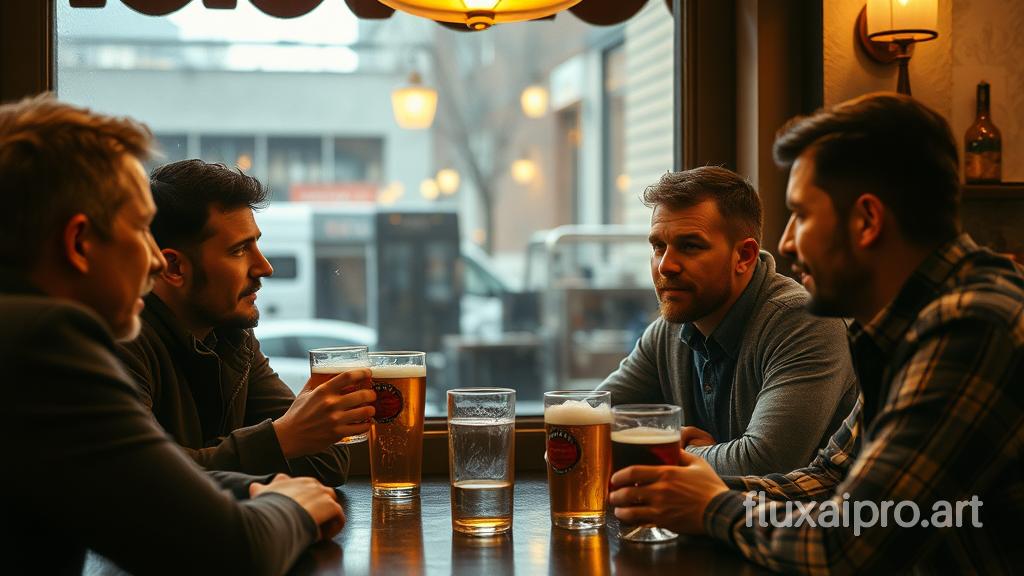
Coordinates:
x,y
577,413
338,368
645,435
406,371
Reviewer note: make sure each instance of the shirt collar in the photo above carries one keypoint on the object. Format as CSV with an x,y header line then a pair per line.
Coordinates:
x,y
158,310
728,335
888,327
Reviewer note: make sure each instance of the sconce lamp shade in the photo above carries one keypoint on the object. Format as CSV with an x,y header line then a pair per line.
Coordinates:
x,y
448,181
480,14
902,20
534,100
414,105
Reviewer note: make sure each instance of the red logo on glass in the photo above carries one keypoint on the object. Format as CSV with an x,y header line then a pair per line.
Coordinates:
x,y
563,451
389,402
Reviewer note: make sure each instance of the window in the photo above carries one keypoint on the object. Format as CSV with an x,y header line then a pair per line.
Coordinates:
x,y
285,267
453,239
231,151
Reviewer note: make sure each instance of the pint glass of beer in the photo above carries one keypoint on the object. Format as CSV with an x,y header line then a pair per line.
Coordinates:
x,y
648,435
577,426
481,458
326,363
396,433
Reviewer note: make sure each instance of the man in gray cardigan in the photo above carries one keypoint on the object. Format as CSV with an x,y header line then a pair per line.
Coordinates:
x,y
762,383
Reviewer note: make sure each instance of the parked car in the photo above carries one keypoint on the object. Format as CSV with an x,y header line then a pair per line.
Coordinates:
x,y
287,343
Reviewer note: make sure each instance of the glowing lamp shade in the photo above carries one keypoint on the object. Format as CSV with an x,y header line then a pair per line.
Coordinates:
x,y
448,181
414,105
524,171
480,14
902,20
534,100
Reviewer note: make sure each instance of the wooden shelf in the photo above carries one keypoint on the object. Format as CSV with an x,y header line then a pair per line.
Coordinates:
x,y
1004,191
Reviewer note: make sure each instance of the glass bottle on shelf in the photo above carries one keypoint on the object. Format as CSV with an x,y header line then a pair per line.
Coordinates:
x,y
983,145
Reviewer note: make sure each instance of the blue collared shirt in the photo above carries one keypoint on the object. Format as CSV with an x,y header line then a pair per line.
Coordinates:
x,y
714,361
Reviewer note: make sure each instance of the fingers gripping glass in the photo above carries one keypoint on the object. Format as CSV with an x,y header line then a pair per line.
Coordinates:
x,y
326,363
648,435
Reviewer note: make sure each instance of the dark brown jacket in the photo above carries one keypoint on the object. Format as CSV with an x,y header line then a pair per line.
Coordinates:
x,y
88,468
219,401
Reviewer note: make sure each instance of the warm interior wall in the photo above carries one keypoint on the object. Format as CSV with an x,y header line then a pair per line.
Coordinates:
x,y
978,40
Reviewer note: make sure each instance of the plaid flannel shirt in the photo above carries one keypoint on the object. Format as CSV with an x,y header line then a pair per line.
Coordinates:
x,y
940,418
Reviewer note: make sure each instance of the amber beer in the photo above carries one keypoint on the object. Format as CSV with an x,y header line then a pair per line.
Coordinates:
x,y
578,427
326,363
396,433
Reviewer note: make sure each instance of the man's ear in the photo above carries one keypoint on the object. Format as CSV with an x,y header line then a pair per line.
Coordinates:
x,y
178,267
78,241
748,251
867,221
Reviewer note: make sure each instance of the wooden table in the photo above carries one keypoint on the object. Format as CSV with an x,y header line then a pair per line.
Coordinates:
x,y
416,537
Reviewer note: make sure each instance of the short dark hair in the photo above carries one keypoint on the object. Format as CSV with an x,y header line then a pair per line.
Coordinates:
x,y
890,145
735,197
58,160
185,191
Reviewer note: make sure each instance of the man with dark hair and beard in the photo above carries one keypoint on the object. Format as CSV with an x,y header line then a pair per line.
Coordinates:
x,y
925,474
761,382
197,363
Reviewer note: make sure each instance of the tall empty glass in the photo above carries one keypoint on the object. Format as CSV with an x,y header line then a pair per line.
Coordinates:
x,y
396,434
326,363
648,435
481,458
578,452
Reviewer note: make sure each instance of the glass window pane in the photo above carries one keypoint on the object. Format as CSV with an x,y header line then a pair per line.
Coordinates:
x,y
231,151
456,238
293,162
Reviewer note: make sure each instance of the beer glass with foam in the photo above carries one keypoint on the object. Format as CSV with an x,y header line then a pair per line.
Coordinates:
x,y
326,363
481,458
646,435
396,433
578,452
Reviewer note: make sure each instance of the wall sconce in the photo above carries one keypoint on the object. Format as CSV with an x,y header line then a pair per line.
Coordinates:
x,y
524,171
414,105
534,101
448,181
888,29
480,14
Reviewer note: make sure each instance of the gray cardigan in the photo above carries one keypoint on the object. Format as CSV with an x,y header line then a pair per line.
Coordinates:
x,y
792,386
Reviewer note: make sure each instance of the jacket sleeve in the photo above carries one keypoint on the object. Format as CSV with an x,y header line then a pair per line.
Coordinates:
x,y
807,375
269,398
636,379
953,409
89,452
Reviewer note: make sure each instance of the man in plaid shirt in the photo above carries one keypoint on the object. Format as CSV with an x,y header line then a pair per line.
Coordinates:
x,y
925,474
